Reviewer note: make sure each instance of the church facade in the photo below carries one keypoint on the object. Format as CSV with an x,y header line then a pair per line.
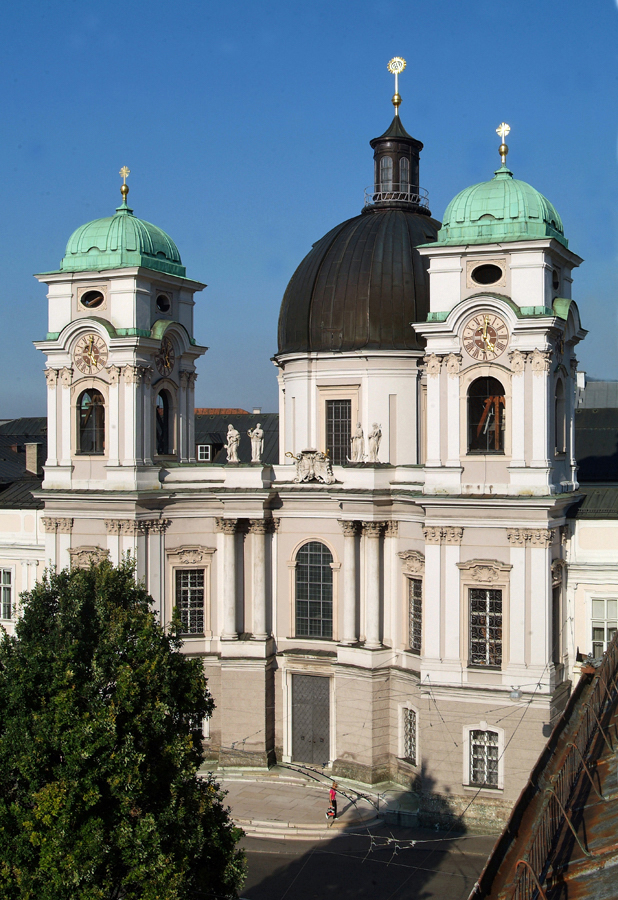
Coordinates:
x,y
388,600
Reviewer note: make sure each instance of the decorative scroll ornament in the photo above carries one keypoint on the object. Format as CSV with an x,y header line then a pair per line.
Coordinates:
x,y
51,377
485,571
447,534
350,529
83,557
258,526
373,529
413,562
313,465
392,528
193,555
540,361
557,569
536,537
66,376
227,526
453,364
113,373
433,364
52,524
518,361
433,534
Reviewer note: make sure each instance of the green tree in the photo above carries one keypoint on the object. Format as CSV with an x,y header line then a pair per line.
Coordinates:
x,y
100,743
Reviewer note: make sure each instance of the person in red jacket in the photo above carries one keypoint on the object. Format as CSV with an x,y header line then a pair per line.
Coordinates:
x,y
333,798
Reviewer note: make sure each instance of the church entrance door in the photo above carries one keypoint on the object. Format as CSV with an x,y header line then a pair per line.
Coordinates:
x,y
310,719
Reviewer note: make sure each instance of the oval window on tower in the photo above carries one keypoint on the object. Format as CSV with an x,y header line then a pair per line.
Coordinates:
x,y
92,299
163,303
487,274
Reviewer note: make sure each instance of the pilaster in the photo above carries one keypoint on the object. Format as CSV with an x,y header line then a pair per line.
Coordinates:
x,y
228,528
349,579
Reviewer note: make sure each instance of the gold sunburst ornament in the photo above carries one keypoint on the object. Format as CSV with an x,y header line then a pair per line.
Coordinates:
x,y
124,188
396,67
503,130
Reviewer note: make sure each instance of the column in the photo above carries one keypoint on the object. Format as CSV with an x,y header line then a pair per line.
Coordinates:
x,y
453,365
64,529
540,579
148,427
228,528
433,590
350,530
518,409
182,415
156,557
51,377
371,533
434,430
539,363
66,377
191,417
113,413
49,524
133,415
258,528
450,647
518,624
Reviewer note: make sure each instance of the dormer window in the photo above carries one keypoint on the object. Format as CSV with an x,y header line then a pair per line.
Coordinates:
x,y
404,174
386,173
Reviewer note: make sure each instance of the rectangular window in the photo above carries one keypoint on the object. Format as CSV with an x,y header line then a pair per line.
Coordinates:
x,y
204,453
485,627
484,758
604,621
409,735
338,430
7,594
190,599
415,612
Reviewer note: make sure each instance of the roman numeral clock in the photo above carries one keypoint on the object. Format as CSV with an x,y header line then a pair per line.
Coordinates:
x,y
485,336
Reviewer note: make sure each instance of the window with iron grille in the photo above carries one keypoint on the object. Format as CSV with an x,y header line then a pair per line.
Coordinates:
x,y
190,599
604,621
338,430
7,594
415,612
484,758
409,735
314,591
485,627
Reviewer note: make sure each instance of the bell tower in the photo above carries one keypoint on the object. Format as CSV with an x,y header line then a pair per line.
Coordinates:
x,y
120,355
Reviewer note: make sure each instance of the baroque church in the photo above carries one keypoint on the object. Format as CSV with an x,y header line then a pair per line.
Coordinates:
x,y
388,599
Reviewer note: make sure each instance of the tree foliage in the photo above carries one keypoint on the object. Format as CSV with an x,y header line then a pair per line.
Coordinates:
x,y
100,743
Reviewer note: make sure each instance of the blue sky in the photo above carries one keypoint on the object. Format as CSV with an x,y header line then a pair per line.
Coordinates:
x,y
246,128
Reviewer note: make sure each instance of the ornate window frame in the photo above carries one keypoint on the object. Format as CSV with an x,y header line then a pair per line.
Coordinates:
x,y
88,383
190,556
413,568
489,574
335,566
336,392
504,376
466,782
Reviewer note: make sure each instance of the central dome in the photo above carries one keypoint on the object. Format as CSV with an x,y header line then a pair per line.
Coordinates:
x,y
364,282
121,241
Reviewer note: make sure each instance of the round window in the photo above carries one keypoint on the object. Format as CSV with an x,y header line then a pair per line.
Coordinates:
x,y
163,303
487,274
92,299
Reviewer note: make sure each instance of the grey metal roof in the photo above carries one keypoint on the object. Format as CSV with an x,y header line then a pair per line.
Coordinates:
x,y
596,444
18,495
600,394
600,502
360,286
212,430
26,426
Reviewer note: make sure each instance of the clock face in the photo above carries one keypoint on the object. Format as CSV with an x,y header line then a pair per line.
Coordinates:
x,y
90,354
165,357
485,336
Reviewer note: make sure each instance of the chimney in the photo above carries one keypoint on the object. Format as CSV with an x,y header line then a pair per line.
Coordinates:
x,y
257,410
32,458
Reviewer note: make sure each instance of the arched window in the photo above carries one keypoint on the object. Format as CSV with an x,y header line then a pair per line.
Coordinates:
x,y
314,591
163,423
91,422
386,173
560,418
404,173
486,416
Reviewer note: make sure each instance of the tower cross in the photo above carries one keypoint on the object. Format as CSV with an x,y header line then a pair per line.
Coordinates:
x,y
395,67
125,172
503,130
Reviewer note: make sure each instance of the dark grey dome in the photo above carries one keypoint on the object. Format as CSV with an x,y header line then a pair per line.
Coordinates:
x,y
361,285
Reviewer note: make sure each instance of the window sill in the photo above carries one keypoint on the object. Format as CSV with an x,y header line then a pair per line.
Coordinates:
x,y
477,453
83,453
483,788
407,761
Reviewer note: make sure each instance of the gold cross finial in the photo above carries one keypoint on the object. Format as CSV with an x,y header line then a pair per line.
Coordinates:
x,y
503,130
395,67
124,188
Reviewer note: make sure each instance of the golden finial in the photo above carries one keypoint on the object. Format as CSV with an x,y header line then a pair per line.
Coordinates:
x,y
124,188
395,67
503,130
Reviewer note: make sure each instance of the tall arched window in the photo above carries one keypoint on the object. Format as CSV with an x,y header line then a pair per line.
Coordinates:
x,y
91,422
486,416
404,173
386,173
314,591
560,418
163,424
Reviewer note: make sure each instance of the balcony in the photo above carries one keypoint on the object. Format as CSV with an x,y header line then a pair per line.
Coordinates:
x,y
393,194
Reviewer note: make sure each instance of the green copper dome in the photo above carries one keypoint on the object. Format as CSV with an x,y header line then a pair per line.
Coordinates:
x,y
503,209
121,241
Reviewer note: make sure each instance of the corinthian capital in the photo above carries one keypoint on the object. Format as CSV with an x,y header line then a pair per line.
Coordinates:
x,y
227,526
